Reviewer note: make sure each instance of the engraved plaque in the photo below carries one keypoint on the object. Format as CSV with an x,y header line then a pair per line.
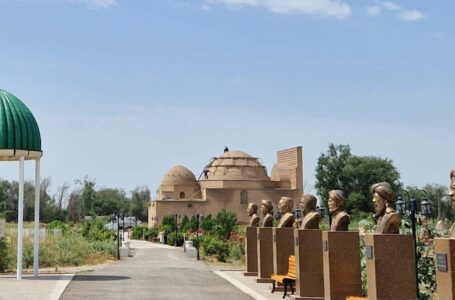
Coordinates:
x,y
369,252
325,245
441,262
296,240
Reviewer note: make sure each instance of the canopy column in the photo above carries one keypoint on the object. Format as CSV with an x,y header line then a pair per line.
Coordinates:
x,y
37,207
20,219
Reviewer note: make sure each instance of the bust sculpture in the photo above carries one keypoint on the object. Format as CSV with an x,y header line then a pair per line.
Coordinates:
x,y
266,210
452,197
337,208
287,217
311,216
389,221
253,213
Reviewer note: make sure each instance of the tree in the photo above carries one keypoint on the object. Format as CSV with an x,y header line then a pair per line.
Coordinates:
x,y
110,201
140,199
436,193
354,175
87,195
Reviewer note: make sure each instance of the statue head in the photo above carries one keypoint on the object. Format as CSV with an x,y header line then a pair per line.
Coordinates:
x,y
285,205
252,209
337,201
266,207
308,204
383,197
452,187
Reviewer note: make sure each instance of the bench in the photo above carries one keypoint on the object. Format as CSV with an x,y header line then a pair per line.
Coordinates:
x,y
288,279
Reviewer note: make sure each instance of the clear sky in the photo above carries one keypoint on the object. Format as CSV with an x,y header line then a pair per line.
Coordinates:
x,y
125,89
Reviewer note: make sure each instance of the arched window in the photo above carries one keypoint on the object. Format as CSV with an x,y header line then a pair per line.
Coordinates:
x,y
244,197
182,195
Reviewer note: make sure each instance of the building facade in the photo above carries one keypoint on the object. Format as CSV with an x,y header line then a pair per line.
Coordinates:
x,y
229,181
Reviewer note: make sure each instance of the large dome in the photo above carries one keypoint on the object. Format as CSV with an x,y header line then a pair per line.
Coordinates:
x,y
179,175
236,165
19,132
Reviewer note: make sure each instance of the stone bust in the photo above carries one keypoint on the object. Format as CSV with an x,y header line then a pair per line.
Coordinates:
x,y
287,217
266,210
337,208
311,216
253,213
452,197
389,221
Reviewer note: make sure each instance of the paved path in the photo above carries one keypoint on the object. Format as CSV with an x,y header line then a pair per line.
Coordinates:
x,y
44,287
154,272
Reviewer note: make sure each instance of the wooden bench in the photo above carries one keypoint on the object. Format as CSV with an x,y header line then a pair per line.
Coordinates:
x,y
288,279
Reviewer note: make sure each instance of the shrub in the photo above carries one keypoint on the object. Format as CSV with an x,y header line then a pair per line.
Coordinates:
x,y
59,225
236,250
214,246
95,231
224,224
173,236
207,223
5,258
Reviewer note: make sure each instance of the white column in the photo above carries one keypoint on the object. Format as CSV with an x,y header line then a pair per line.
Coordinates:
x,y
20,218
37,204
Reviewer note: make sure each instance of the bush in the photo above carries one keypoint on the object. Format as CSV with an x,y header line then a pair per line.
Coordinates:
x,y
56,225
207,223
144,233
224,224
236,250
5,258
173,236
95,231
214,246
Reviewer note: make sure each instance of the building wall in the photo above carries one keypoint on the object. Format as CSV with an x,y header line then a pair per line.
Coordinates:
x,y
218,194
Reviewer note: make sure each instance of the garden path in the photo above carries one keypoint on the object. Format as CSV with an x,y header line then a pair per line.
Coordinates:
x,y
154,272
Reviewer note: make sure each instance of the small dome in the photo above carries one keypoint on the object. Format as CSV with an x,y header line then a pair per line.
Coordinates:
x,y
179,175
19,132
236,165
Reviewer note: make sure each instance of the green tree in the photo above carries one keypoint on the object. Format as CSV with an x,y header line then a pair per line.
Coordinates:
x,y
225,222
436,193
110,201
140,199
354,175
87,195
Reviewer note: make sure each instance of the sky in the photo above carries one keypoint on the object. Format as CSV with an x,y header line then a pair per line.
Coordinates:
x,y
123,90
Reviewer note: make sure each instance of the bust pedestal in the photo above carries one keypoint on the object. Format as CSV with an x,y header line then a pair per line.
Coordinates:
x,y
283,247
309,264
265,254
341,257
390,265
251,251
445,267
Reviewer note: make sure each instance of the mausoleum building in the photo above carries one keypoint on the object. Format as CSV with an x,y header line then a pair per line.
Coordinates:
x,y
229,181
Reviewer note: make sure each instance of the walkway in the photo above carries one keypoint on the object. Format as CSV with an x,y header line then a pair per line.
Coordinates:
x,y
154,272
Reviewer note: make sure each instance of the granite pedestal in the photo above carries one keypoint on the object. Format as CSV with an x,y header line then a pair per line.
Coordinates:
x,y
390,264
445,267
283,247
309,265
265,254
251,251
341,257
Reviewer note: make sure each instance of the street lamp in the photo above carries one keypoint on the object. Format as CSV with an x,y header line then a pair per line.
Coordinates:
x,y
176,218
321,211
116,218
197,217
425,210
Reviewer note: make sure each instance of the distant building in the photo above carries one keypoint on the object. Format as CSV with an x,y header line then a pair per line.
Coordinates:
x,y
229,181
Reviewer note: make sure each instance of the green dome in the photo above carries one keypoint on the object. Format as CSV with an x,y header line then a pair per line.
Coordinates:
x,y
18,129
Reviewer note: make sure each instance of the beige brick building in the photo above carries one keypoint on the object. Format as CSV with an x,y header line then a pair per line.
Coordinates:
x,y
229,181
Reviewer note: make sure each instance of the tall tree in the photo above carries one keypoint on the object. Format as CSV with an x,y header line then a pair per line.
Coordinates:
x,y
354,175
110,201
140,199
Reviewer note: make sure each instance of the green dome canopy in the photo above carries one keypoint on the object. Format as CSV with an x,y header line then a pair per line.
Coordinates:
x,y
19,132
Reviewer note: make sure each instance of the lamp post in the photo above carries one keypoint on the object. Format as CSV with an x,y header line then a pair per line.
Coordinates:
x,y
321,211
197,217
176,218
117,218
425,210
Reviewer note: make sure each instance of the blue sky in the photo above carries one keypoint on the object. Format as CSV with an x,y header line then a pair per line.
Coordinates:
x,y
125,89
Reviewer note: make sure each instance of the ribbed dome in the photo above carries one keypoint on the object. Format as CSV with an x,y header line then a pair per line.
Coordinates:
x,y
179,175
236,165
19,132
